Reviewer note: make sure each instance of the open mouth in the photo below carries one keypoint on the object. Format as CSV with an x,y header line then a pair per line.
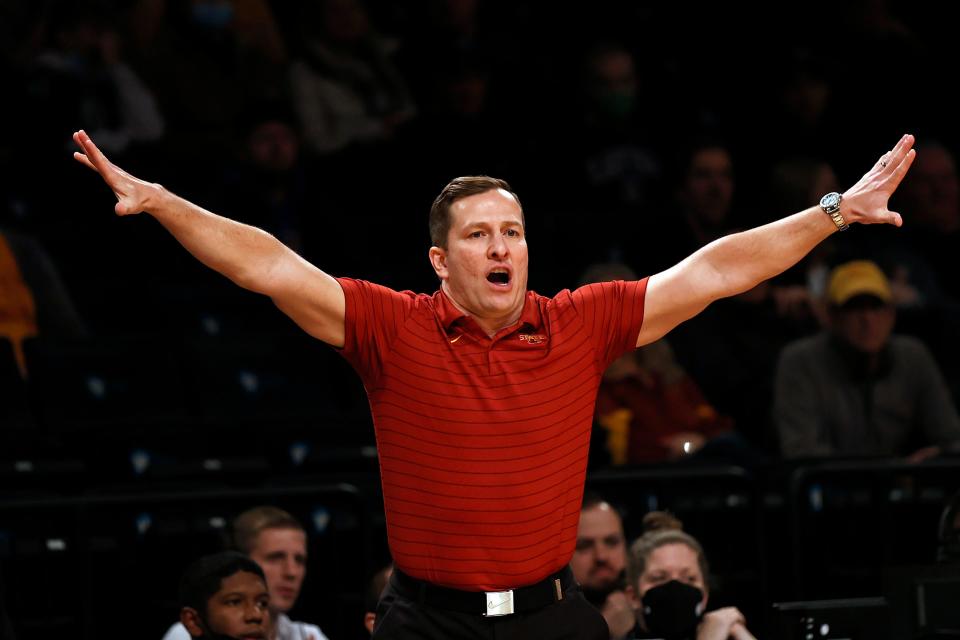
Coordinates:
x,y
499,276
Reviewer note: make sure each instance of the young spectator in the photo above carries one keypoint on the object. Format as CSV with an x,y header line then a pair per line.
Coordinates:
x,y
277,542
224,596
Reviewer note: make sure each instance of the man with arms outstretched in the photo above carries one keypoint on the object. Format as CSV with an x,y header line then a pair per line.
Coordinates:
x,y
482,394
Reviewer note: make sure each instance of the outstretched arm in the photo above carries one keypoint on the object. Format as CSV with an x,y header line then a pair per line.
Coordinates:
x,y
740,261
250,257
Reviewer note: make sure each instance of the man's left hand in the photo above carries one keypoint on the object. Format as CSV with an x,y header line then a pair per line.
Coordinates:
x,y
866,201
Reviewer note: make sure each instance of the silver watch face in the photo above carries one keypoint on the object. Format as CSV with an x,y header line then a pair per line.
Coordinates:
x,y
830,200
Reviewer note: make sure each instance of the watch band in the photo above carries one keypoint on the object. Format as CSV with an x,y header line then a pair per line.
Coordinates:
x,y
830,204
838,220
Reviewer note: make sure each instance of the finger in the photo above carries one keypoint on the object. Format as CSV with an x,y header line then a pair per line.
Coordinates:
x,y
93,154
82,159
898,173
890,217
899,152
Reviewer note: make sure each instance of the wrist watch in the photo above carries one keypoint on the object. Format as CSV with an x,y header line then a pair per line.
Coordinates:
x,y
830,204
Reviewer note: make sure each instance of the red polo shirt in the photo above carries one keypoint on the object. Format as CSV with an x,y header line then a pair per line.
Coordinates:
x,y
483,441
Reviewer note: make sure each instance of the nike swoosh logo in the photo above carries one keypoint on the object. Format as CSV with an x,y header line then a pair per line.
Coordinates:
x,y
452,340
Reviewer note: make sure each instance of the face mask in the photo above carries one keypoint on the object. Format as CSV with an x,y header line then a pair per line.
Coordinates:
x,y
672,610
617,105
212,15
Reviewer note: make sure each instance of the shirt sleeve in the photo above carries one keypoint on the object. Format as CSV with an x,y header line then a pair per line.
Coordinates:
x,y
612,314
373,318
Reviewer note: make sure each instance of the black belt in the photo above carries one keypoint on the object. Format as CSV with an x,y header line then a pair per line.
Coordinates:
x,y
528,598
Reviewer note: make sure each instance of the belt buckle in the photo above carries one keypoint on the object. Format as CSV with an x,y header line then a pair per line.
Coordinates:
x,y
499,603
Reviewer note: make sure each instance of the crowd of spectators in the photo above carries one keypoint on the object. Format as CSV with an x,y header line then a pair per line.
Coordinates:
x,y
331,123
632,142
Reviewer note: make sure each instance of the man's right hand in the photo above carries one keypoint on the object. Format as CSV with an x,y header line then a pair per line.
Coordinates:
x,y
619,614
134,195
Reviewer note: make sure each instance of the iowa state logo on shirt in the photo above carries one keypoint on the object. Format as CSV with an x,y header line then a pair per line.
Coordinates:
x,y
533,338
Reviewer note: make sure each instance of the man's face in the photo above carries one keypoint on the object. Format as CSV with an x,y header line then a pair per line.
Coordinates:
x,y
708,190
933,190
282,554
273,147
601,552
240,609
865,323
484,267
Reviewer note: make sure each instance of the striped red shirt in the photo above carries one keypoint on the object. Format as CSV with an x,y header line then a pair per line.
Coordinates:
x,y
483,441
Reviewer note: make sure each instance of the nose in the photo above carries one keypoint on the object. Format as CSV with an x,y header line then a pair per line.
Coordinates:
x,y
600,554
290,568
253,613
498,249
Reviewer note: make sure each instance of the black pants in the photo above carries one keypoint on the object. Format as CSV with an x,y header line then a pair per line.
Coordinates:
x,y
573,618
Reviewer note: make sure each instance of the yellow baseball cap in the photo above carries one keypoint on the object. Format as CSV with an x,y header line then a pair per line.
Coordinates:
x,y
857,278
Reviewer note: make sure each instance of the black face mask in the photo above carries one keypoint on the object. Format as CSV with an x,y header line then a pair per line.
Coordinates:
x,y
672,610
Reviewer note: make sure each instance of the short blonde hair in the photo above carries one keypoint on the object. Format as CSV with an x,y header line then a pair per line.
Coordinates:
x,y
252,522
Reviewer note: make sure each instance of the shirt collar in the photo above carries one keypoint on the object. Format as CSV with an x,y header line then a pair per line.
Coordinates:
x,y
530,317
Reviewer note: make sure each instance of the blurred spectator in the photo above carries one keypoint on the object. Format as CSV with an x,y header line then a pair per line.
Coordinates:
x,y
208,59
651,409
667,582
797,183
372,596
278,543
33,299
346,88
599,562
621,163
80,74
857,389
270,187
803,117
703,208
924,256
225,596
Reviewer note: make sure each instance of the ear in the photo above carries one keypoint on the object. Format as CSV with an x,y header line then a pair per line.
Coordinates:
x,y
438,260
369,620
190,618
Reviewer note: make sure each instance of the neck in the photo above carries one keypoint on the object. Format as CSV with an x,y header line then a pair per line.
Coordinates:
x,y
490,325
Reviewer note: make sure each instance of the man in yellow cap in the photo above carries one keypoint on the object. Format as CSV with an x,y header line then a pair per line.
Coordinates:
x,y
857,389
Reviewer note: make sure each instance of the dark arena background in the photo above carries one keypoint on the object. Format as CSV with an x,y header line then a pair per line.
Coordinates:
x,y
149,400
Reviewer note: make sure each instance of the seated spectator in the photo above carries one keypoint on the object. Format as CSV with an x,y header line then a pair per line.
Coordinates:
x,y
81,72
372,596
278,543
599,562
667,583
345,85
650,408
225,596
857,389
33,299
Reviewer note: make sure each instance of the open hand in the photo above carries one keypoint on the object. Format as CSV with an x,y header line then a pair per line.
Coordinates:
x,y
134,195
866,201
